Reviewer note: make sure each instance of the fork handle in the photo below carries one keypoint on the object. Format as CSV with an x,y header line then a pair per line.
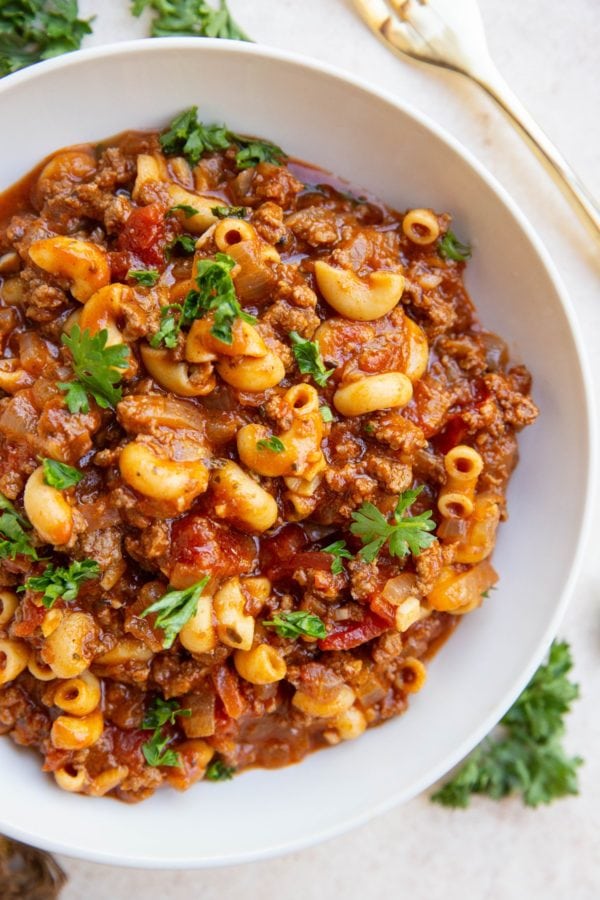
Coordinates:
x,y
493,83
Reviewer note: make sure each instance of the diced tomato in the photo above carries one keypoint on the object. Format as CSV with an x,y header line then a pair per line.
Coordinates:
x,y
278,551
200,547
383,608
120,261
348,635
227,687
143,235
451,435
310,559
31,617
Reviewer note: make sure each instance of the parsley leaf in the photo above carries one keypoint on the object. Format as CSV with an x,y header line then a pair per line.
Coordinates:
x,y
62,583
187,136
175,608
13,538
217,770
406,533
326,413
144,277
309,359
229,212
163,712
528,756
96,369
216,294
60,475
32,30
450,247
339,551
8,507
190,17
188,211
169,327
182,242
294,624
253,152
273,443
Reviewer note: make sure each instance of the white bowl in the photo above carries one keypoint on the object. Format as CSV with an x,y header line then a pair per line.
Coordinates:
x,y
375,141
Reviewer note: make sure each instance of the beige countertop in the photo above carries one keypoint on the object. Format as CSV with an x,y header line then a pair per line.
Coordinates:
x,y
502,851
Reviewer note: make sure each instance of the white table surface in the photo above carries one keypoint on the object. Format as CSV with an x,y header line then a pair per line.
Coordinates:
x,y
502,851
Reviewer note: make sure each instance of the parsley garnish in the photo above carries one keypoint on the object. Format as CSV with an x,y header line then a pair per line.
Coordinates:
x,y
294,624
96,369
175,608
169,327
31,30
309,359
194,17
339,551
406,533
60,475
144,277
182,242
188,211
450,247
217,770
253,152
229,212
326,413
163,712
216,294
273,443
13,538
187,136
62,583
528,758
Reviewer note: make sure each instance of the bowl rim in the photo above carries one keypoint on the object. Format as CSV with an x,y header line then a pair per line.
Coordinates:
x,y
589,441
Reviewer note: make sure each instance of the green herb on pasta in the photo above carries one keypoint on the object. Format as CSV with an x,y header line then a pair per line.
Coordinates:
x,y
62,583
175,608
295,624
405,534
60,475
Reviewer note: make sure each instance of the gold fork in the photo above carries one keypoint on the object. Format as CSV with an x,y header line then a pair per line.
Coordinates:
x,y
450,34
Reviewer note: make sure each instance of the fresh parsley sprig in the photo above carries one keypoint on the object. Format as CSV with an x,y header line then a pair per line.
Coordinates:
x,y
403,535
161,713
273,443
187,210
96,369
527,757
62,583
295,624
196,18
339,551
309,359
189,137
229,212
14,540
175,608
450,247
32,30
183,243
144,277
215,293
169,327
59,474
217,770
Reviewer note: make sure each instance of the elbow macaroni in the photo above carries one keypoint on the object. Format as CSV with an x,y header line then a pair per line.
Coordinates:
x,y
463,466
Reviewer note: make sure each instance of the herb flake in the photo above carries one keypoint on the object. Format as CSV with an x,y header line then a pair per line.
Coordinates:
x,y
96,369
175,608
60,475
339,551
450,247
62,583
403,535
309,359
295,624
